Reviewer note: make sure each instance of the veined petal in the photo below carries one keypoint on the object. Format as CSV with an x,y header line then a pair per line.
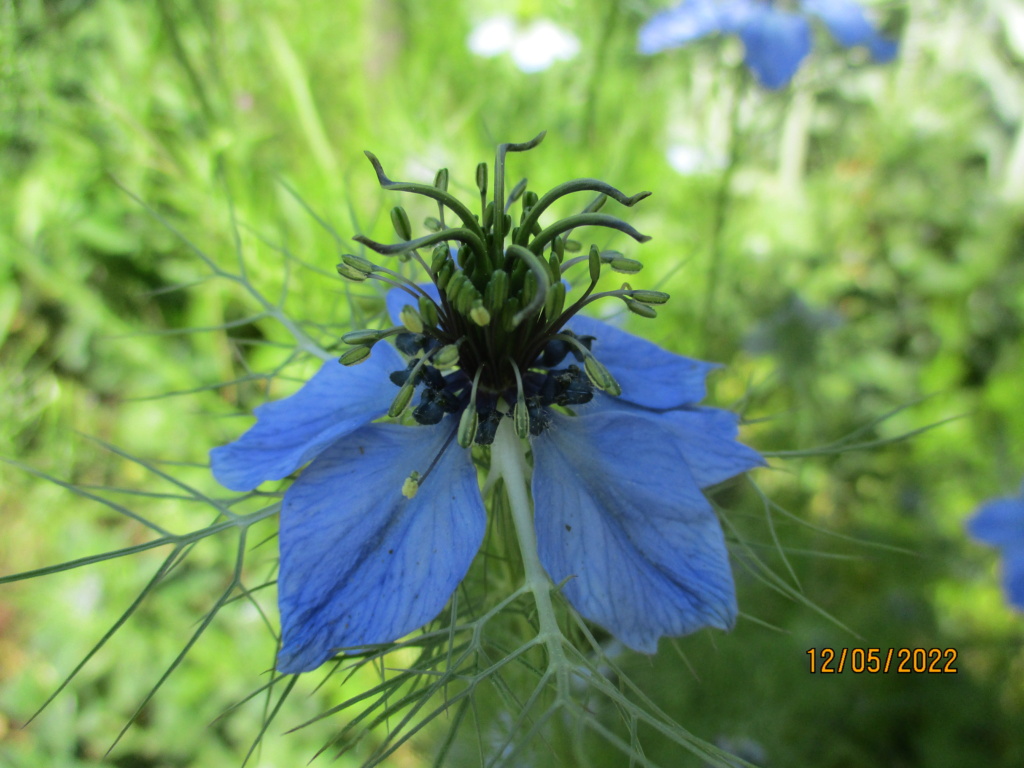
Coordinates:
x,y
619,515
775,42
649,375
688,21
361,563
290,432
849,25
706,438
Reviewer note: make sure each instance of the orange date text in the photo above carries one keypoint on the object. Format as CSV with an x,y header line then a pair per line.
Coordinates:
x,y
825,661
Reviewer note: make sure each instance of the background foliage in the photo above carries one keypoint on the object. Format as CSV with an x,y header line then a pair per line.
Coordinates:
x,y
849,247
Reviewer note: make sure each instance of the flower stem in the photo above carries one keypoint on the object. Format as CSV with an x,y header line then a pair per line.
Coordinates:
x,y
722,206
795,141
508,460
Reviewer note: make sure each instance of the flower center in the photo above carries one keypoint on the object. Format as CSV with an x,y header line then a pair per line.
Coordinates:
x,y
541,386
494,331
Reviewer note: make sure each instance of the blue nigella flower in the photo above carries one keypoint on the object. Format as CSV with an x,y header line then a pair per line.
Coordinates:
x,y
382,525
776,40
1001,523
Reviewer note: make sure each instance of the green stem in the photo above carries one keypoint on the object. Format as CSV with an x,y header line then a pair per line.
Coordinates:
x,y
1013,180
722,204
508,460
795,140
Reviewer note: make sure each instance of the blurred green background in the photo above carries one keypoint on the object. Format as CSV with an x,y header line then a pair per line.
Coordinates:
x,y
849,247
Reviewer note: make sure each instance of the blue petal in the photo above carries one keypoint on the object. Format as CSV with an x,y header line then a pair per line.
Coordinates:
x,y
849,26
649,375
733,13
398,298
619,515
1013,574
706,437
290,432
688,21
999,522
360,563
776,42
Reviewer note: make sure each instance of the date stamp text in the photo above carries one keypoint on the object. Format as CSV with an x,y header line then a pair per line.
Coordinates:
x,y
873,661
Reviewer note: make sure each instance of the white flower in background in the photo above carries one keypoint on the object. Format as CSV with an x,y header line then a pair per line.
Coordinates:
x,y
492,36
533,48
690,159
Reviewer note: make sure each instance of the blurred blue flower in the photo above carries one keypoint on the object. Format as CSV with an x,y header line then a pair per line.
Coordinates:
x,y
776,40
793,333
1001,523
382,525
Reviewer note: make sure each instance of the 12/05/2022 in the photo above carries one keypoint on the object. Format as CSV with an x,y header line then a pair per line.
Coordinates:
x,y
875,661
